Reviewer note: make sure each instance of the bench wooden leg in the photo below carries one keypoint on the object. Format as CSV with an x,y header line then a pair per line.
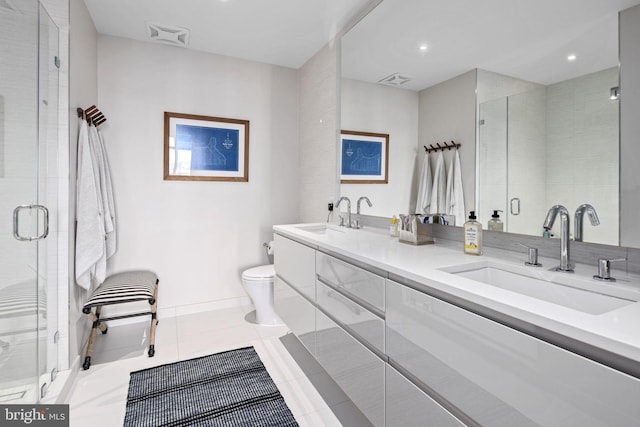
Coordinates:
x,y
154,323
95,325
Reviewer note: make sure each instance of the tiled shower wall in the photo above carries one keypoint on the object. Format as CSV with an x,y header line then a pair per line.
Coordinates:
x,y
583,150
562,142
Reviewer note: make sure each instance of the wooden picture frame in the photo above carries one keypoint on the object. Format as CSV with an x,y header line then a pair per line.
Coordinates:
x,y
205,148
364,157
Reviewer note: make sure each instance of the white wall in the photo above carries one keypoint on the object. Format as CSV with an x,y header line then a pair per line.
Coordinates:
x,y
448,112
197,236
83,92
319,118
368,107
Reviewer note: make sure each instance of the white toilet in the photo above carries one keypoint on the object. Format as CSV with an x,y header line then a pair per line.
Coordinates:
x,y
258,282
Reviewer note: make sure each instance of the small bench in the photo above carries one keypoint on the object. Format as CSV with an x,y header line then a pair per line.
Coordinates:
x,y
121,288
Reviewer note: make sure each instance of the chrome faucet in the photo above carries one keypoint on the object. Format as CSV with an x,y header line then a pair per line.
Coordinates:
x,y
348,209
577,225
565,263
366,199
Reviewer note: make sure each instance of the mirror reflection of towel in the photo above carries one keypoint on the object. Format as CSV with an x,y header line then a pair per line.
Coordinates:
x,y
455,193
438,191
423,198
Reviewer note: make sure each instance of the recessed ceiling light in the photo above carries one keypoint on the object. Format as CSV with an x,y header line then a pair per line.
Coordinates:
x,y
571,57
423,48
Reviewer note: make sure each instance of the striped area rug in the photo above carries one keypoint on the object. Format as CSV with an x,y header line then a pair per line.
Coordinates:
x,y
231,388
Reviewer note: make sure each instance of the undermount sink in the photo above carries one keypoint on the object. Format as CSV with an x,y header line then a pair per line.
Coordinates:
x,y
320,228
543,285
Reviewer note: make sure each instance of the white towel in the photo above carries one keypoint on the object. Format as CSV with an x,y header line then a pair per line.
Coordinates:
x,y
438,191
423,199
106,191
100,267
455,192
90,224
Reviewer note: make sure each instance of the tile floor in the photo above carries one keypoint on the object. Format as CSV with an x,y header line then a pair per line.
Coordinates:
x,y
99,394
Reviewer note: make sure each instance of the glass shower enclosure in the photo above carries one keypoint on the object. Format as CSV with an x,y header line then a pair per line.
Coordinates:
x,y
29,43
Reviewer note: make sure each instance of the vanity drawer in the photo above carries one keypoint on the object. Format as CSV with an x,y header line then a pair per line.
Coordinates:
x,y
354,317
296,263
407,405
494,375
358,372
296,312
351,280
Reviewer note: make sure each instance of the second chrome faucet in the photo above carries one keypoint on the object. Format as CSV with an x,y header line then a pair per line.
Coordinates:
x,y
578,220
565,258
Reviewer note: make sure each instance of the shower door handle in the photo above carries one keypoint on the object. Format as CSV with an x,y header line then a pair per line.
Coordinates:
x,y
16,222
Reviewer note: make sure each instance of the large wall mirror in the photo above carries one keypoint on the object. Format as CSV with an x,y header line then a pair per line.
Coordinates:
x,y
531,91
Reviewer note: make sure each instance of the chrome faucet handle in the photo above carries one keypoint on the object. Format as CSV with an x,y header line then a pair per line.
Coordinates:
x,y
341,218
533,256
604,269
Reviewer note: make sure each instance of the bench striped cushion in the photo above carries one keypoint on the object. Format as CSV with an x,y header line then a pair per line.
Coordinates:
x,y
123,287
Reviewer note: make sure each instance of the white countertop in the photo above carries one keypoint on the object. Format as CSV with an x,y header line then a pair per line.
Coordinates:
x,y
616,331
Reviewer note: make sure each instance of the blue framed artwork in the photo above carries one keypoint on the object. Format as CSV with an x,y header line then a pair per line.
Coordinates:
x,y
364,157
204,148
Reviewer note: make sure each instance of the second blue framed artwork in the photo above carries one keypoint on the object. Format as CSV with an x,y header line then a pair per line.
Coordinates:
x,y
364,157
204,148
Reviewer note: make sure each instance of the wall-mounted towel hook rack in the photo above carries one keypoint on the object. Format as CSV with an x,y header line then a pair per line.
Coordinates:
x,y
92,115
439,147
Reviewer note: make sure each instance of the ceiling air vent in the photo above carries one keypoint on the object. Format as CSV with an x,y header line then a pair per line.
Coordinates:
x,y
397,79
175,36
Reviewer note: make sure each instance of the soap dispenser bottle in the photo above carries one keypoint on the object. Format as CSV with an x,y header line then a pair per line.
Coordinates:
x,y
495,224
472,235
393,228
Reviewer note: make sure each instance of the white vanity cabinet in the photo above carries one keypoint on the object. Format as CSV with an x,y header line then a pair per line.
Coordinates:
x,y
359,321
350,332
296,264
488,374
408,406
360,285
296,312
357,370
294,289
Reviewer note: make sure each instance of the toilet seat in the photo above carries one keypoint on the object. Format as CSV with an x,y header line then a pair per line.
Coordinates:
x,y
262,272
